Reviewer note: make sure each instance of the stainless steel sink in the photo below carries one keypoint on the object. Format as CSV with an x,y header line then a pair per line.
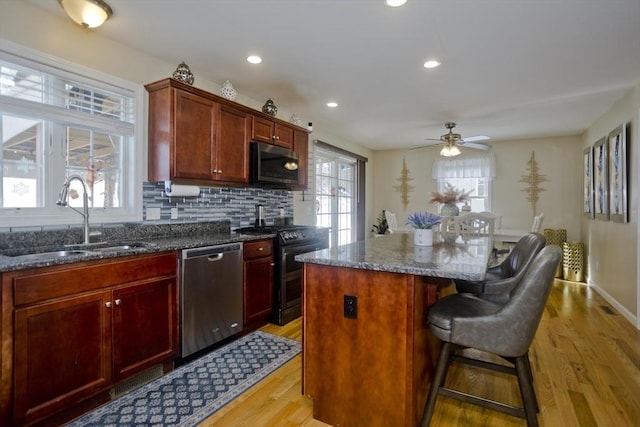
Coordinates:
x,y
51,255
116,248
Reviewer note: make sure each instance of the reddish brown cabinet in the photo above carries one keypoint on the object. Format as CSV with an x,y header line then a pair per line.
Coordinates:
x,y
79,329
196,137
301,147
258,283
272,132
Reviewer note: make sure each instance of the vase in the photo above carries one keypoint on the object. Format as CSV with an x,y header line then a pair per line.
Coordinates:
x,y
228,91
183,73
270,108
449,209
423,237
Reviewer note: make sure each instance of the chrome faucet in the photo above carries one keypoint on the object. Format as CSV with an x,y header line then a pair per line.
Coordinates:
x,y
63,199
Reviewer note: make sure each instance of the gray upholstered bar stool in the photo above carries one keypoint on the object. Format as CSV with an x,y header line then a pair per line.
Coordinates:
x,y
502,278
506,330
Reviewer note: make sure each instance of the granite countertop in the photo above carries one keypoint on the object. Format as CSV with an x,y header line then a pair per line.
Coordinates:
x,y
142,242
396,253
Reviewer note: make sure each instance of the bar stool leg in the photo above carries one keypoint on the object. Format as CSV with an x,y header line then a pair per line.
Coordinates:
x,y
436,383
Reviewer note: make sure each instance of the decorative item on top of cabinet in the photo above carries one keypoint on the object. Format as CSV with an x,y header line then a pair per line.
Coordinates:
x,y
270,108
296,120
183,74
258,283
227,91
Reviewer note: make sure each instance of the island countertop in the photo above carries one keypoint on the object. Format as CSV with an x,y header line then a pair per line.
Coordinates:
x,y
396,253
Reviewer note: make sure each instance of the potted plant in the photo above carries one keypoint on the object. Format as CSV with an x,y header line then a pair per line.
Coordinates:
x,y
380,227
423,223
448,199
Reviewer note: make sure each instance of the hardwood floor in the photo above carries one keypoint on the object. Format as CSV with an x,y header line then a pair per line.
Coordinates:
x,y
585,360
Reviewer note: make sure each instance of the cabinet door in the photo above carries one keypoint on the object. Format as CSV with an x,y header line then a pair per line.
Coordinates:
x,y
301,147
145,326
283,136
194,138
232,145
62,353
263,130
258,282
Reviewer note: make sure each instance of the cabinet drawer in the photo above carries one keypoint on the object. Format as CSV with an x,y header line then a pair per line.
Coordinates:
x,y
257,249
31,286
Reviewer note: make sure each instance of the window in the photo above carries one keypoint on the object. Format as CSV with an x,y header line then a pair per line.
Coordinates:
x,y
472,174
55,123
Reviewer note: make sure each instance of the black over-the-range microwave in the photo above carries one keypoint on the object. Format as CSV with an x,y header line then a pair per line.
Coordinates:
x,y
274,166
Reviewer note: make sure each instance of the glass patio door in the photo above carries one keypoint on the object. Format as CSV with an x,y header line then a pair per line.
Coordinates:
x,y
335,196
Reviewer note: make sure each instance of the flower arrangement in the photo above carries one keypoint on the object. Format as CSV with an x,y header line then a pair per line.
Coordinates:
x,y
423,220
450,195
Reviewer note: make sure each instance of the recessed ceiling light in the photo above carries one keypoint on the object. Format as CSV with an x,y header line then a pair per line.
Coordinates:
x,y
395,3
332,104
432,63
254,59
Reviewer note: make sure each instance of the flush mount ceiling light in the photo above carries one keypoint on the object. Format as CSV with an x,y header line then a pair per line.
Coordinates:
x,y
254,59
87,13
395,3
432,63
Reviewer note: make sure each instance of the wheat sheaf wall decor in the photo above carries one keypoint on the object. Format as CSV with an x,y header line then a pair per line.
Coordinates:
x,y
533,178
404,188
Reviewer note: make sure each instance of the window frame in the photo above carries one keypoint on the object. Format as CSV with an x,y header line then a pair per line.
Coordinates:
x,y
51,214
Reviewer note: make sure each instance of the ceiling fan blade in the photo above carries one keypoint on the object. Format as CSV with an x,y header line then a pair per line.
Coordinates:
x,y
475,138
433,139
477,145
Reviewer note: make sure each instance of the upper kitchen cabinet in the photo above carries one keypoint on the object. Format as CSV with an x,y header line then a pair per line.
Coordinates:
x,y
301,147
272,132
195,136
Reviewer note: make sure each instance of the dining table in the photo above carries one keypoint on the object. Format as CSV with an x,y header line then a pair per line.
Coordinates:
x,y
368,354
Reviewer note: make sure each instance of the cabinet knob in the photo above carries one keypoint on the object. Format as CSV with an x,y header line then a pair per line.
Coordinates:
x,y
276,137
260,249
118,301
107,304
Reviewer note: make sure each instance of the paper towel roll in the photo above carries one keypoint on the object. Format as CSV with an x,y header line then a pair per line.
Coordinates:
x,y
176,190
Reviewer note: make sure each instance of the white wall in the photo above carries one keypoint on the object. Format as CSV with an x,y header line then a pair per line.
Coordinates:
x,y
613,247
561,200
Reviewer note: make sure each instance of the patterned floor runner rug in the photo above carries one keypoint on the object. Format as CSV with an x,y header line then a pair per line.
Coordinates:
x,y
191,393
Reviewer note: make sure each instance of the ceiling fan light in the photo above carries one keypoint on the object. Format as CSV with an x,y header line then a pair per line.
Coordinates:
x,y
87,13
454,151
445,151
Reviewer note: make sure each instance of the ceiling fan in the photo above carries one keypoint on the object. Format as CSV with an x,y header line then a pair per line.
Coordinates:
x,y
452,141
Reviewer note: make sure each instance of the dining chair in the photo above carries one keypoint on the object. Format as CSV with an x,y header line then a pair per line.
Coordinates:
x,y
537,222
507,330
502,278
474,224
497,223
392,223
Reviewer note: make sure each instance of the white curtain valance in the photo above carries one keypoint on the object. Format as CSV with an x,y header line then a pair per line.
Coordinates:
x,y
481,166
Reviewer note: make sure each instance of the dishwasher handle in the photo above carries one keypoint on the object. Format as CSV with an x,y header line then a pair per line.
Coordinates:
x,y
213,253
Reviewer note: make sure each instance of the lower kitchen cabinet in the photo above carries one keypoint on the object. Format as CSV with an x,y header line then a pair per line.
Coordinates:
x,y
258,283
82,328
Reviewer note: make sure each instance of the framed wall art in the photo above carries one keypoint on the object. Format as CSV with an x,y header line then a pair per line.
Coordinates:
x,y
600,182
588,183
618,170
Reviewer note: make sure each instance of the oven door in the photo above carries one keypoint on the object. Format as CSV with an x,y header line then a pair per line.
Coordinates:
x,y
289,288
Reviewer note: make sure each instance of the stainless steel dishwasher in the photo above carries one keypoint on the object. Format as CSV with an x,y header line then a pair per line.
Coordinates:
x,y
211,294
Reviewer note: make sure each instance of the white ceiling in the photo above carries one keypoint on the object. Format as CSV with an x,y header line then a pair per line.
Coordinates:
x,y
511,69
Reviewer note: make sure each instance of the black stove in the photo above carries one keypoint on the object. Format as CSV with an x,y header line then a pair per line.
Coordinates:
x,y
290,241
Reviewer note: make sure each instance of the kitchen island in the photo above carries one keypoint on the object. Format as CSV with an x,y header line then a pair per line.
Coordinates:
x,y
367,353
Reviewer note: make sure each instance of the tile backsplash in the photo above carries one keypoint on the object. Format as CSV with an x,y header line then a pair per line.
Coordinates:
x,y
235,204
